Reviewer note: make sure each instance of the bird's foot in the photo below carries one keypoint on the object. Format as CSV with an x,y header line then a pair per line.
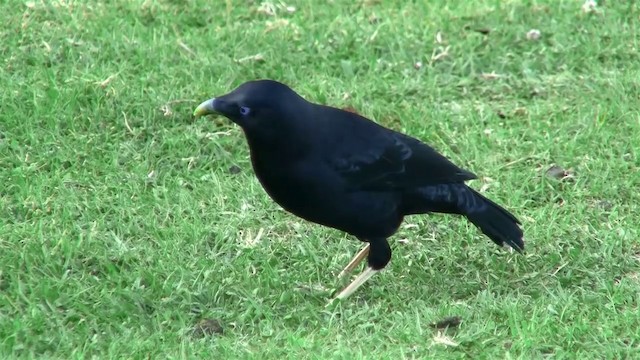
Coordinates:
x,y
355,284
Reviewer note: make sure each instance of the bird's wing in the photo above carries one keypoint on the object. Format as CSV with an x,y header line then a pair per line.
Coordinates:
x,y
385,160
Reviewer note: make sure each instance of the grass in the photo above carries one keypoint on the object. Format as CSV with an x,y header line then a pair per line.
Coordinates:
x,y
125,223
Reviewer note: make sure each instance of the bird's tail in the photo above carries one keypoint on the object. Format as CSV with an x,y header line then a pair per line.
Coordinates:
x,y
496,222
492,219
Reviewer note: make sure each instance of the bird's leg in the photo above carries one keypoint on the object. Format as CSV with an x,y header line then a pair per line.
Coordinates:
x,y
355,261
356,283
378,257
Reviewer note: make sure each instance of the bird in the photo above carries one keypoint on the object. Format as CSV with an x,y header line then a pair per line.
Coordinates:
x,y
339,169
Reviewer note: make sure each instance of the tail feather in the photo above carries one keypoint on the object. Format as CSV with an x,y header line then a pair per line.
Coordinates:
x,y
496,222
492,219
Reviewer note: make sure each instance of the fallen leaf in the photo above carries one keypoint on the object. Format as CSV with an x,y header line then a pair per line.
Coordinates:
x,y
558,173
443,339
207,327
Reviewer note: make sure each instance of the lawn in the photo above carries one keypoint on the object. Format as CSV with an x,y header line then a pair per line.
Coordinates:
x,y
131,230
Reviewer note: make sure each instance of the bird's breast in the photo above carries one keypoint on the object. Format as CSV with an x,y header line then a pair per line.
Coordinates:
x,y
314,192
291,185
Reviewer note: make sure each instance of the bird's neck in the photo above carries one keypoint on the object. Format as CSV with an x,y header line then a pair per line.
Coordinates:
x,y
273,149
287,141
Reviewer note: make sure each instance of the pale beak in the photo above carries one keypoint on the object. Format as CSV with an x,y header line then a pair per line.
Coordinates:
x,y
206,108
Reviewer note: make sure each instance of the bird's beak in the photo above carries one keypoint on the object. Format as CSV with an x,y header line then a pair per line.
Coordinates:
x,y
206,108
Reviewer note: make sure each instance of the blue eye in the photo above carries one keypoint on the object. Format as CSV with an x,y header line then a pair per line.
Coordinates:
x,y
244,110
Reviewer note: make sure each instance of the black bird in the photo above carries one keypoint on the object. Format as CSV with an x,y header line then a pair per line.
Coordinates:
x,y
342,170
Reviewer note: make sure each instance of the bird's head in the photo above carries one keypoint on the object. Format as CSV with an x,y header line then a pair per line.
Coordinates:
x,y
260,107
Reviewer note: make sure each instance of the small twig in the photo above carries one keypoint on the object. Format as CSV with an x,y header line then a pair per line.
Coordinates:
x,y
256,57
516,161
178,101
186,48
439,55
126,124
106,81
559,268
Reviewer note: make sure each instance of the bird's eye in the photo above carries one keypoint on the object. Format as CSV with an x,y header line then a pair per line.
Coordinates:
x,y
244,110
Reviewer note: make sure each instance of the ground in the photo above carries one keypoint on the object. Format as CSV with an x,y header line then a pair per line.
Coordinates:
x,y
131,230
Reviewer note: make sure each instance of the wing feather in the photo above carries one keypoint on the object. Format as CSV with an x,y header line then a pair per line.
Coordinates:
x,y
392,161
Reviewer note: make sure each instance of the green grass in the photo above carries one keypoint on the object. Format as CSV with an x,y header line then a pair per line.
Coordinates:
x,y
123,226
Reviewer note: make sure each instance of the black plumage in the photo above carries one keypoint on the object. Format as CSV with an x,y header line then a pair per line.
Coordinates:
x,y
342,170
